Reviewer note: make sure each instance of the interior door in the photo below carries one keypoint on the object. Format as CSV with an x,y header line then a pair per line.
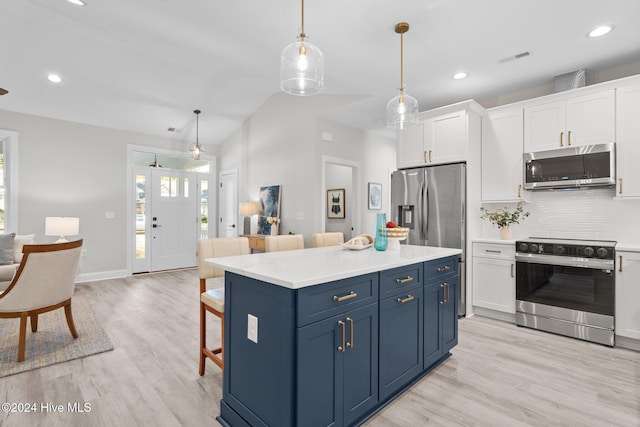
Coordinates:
x,y
228,205
174,223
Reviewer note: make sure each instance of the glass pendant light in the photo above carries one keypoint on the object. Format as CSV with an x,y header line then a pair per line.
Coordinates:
x,y
403,108
302,66
196,149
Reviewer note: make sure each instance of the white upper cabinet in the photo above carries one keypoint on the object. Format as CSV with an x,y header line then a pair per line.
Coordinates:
x,y
572,121
442,136
411,146
502,141
445,138
628,142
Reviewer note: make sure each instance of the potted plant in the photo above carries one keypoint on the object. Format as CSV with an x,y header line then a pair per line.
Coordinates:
x,y
503,218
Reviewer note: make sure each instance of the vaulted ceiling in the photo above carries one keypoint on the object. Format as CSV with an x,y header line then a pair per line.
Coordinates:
x,y
145,65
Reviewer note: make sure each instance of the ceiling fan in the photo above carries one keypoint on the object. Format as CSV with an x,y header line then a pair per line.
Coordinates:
x,y
3,91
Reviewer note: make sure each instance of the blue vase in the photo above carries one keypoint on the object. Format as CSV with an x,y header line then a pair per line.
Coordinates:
x,y
380,241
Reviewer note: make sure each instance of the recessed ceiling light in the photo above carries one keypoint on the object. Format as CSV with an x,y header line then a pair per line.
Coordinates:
x,y
600,31
78,2
54,78
460,75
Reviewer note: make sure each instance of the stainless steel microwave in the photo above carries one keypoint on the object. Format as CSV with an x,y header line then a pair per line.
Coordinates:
x,y
573,167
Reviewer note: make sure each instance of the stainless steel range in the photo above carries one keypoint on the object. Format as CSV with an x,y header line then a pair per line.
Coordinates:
x,y
567,287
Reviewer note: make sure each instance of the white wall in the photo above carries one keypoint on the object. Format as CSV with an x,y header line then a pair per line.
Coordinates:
x,y
71,169
281,144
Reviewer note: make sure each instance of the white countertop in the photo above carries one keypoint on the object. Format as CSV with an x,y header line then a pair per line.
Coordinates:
x,y
307,267
626,246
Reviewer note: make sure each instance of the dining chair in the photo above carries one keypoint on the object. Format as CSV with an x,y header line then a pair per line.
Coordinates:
x,y
212,290
285,242
319,240
45,281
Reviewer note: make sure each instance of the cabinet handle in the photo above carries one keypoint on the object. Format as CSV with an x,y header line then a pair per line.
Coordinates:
x,y
493,251
407,299
430,156
341,348
425,156
620,182
350,295
519,191
351,341
512,271
403,281
443,269
561,136
569,138
445,293
620,266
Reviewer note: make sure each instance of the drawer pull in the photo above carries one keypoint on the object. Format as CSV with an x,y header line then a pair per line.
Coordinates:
x,y
407,299
402,281
342,347
493,251
350,295
620,266
351,341
443,269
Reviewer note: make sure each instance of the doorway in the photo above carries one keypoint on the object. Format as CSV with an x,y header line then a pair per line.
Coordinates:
x,y
169,206
228,204
341,174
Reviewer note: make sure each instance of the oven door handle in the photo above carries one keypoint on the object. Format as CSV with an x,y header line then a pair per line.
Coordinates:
x,y
597,264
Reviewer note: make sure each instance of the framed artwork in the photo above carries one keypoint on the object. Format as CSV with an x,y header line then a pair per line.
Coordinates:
x,y
375,195
269,207
335,203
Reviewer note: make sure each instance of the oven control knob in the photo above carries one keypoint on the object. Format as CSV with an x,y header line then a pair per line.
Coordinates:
x,y
602,252
559,249
588,251
534,247
523,247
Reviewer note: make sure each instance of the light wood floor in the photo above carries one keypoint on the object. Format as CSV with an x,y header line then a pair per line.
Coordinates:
x,y
499,375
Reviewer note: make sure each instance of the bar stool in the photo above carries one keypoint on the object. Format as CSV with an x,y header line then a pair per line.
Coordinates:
x,y
212,300
319,240
286,242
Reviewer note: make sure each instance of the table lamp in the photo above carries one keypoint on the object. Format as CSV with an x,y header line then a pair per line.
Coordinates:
x,y
61,226
248,209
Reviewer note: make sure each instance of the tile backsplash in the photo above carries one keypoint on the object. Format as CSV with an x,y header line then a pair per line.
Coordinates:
x,y
582,214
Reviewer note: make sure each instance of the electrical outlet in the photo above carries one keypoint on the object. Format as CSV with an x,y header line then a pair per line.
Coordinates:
x,y
252,328
109,214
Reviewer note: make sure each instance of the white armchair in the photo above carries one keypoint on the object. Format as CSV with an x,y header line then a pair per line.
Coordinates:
x,y
44,281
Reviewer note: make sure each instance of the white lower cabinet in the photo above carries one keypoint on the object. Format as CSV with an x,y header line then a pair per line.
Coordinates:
x,y
494,282
628,294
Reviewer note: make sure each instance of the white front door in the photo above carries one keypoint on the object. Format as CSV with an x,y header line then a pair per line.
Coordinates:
x,y
228,204
174,221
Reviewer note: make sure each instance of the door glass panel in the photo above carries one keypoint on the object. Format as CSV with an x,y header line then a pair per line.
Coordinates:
x,y
140,215
168,186
204,209
2,187
185,187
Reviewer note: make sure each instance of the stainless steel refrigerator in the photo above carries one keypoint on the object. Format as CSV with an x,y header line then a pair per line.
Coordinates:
x,y
430,201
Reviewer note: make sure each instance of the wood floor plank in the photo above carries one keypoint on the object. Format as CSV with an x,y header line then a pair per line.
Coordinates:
x,y
499,374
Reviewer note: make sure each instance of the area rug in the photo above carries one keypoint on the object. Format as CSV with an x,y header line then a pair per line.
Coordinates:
x,y
52,343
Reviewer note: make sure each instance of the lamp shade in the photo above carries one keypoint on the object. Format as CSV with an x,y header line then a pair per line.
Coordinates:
x,y
249,208
61,226
302,69
402,109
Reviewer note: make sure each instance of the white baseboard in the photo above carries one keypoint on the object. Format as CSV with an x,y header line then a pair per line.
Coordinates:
x,y
630,343
494,314
102,275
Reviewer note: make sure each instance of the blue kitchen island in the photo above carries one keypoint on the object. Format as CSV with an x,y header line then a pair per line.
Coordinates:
x,y
329,336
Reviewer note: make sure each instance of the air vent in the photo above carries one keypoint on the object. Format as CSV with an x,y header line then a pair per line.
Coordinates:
x,y
516,56
171,129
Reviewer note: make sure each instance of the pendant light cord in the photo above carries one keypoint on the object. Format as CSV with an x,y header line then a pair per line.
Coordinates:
x,y
401,62
302,34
